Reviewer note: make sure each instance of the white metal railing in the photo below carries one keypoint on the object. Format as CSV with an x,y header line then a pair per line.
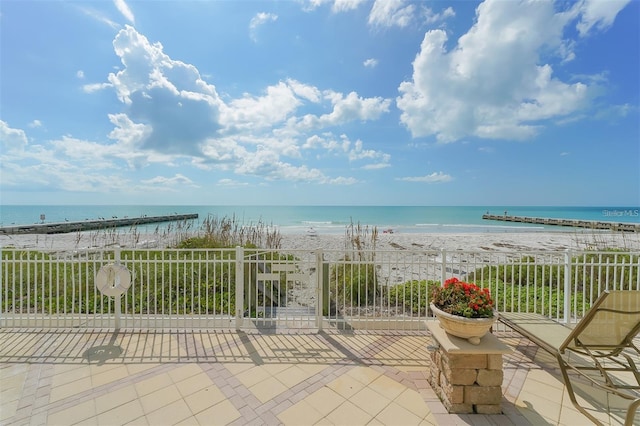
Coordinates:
x,y
297,289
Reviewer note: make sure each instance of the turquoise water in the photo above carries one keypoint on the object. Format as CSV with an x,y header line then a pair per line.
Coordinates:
x,y
334,219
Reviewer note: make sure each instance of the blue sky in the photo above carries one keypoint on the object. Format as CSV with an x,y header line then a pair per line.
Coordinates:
x,y
331,102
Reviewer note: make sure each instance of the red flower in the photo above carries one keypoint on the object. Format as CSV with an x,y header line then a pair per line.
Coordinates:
x,y
463,299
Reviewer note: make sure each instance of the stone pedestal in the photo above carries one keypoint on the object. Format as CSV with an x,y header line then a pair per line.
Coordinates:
x,y
467,378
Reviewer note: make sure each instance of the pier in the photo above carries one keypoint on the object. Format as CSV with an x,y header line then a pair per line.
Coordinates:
x,y
588,224
90,225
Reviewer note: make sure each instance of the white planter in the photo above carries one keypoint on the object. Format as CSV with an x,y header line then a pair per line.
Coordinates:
x,y
472,329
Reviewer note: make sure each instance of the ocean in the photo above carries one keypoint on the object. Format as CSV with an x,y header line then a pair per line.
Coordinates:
x,y
333,219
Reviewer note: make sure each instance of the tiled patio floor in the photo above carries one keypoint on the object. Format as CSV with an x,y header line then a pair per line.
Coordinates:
x,y
66,377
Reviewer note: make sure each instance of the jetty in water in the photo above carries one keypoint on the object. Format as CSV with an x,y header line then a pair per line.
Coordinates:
x,y
588,224
91,224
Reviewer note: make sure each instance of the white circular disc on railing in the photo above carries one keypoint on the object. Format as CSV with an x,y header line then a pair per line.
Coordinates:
x,y
113,279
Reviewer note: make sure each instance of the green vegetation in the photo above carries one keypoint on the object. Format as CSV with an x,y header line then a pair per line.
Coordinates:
x,y
413,296
227,232
354,283
169,282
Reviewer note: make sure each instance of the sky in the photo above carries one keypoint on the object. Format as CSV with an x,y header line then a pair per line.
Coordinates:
x,y
320,102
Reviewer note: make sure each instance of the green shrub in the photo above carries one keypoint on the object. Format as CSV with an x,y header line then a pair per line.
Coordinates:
x,y
354,284
413,296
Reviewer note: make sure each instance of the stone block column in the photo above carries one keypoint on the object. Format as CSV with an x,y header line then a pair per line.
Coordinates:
x,y
467,378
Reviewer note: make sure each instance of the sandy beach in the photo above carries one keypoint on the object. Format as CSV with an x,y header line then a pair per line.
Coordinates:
x,y
501,242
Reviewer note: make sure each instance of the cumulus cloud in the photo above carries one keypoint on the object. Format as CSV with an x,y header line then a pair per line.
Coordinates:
x,y
172,115
259,20
493,82
599,14
435,177
169,96
388,13
345,109
354,151
12,139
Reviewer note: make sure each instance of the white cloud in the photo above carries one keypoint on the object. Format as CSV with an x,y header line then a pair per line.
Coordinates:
x,y
231,182
435,177
599,14
94,87
124,9
35,124
171,115
432,17
80,74
388,13
345,5
259,20
275,106
98,16
370,63
167,95
337,5
345,109
12,139
491,84
176,180
354,151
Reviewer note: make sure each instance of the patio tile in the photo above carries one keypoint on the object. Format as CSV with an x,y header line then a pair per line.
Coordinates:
x,y
8,409
301,413
364,375
398,415
122,414
253,376
220,414
349,414
292,376
70,389
160,398
370,401
169,414
268,389
204,398
110,376
413,401
324,400
184,372
76,414
346,386
152,384
387,387
194,384
115,398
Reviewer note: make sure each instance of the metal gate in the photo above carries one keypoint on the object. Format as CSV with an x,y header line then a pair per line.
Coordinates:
x,y
279,291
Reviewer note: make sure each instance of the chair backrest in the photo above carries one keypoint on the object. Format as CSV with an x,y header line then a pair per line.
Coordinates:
x,y
611,323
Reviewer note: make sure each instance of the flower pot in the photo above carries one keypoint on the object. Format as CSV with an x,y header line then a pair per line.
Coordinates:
x,y
472,329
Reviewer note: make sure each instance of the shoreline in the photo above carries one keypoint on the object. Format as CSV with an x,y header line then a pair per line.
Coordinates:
x,y
459,241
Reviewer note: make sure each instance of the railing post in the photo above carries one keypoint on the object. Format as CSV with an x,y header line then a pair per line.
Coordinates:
x,y
443,254
319,289
239,287
118,298
567,285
